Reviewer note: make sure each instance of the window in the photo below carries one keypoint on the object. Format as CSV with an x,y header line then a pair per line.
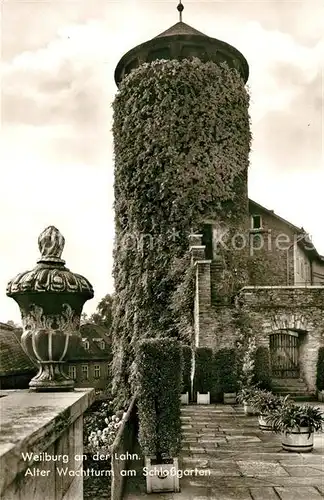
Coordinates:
x,y
72,372
102,344
85,343
207,240
256,222
302,269
85,372
96,371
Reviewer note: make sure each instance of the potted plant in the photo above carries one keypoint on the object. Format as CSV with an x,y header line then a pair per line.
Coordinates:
x,y
186,374
264,403
245,397
159,364
320,374
297,424
204,376
225,367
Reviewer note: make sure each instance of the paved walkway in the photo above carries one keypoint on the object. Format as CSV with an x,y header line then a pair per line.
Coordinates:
x,y
244,462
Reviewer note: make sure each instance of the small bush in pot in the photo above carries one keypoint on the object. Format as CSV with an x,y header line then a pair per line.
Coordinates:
x,y
159,376
204,373
297,424
159,364
226,372
262,368
186,371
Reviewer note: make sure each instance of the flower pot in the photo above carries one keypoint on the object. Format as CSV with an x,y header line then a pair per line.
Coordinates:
x,y
264,425
229,398
298,440
248,409
203,399
184,398
161,477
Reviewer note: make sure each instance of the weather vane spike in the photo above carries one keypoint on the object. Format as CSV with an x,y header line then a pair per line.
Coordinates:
x,y
180,9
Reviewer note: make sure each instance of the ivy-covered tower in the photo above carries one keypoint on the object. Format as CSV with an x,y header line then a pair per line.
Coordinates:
x,y
181,142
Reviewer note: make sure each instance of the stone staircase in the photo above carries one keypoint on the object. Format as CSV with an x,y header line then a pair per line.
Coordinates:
x,y
295,387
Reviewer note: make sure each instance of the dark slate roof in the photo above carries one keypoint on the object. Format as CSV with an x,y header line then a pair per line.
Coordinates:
x,y
94,334
13,359
180,28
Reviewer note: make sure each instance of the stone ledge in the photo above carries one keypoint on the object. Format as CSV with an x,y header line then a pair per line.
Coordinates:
x,y
283,287
31,422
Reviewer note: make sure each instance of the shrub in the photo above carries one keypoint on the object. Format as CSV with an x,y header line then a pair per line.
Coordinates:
x,y
102,440
246,358
186,372
225,370
262,369
320,370
159,371
95,418
204,373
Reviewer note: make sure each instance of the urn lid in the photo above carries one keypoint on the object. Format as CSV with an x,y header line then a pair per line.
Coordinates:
x,y
182,41
50,274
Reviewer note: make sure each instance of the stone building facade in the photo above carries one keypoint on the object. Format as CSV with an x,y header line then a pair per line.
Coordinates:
x,y
283,297
90,364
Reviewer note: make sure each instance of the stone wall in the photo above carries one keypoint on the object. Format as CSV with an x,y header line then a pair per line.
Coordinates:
x,y
300,309
269,309
217,328
36,428
272,262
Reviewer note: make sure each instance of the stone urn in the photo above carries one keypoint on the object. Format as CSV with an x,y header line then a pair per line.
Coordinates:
x,y
50,298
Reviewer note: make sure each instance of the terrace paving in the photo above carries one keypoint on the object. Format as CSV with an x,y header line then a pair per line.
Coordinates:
x,y
238,461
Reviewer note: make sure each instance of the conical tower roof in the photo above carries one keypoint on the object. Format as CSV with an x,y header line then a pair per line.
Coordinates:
x,y
181,41
180,28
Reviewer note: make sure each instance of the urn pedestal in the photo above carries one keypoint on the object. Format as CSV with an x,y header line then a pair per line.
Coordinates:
x,y
50,298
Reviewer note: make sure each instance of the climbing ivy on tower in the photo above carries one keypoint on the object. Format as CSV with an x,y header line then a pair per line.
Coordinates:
x,y
181,144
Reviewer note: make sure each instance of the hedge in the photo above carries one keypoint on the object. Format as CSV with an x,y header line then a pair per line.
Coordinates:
x,y
262,368
159,366
186,372
181,148
226,370
204,380
320,370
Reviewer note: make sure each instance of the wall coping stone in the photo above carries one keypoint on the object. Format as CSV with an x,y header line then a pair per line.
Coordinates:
x,y
283,287
120,432
31,422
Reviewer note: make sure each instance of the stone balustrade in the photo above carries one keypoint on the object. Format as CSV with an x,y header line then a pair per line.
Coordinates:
x,y
41,444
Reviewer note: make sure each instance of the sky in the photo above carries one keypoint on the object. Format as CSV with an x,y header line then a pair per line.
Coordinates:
x,y
56,150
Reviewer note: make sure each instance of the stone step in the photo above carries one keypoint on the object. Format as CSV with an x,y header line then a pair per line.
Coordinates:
x,y
288,390
291,382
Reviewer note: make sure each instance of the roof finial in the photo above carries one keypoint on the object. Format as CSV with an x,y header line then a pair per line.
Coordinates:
x,y
180,9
